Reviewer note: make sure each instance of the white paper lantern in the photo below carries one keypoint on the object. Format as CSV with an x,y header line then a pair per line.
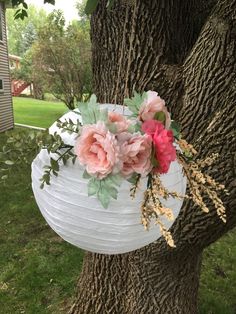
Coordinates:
x,y
82,221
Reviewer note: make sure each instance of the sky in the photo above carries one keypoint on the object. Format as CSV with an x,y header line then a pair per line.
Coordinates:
x,y
67,6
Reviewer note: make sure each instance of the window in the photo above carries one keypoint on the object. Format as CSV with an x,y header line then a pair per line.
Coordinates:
x,y
1,23
1,86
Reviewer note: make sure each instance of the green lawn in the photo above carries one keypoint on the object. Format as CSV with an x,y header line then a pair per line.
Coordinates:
x,y
37,112
38,270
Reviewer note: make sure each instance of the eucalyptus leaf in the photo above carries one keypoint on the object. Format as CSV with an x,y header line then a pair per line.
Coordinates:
x,y
111,127
134,103
93,186
113,192
86,175
89,111
102,115
86,113
114,179
131,129
104,197
138,127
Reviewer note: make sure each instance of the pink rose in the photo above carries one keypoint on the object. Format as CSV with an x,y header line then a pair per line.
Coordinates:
x,y
135,153
163,139
119,121
97,149
151,106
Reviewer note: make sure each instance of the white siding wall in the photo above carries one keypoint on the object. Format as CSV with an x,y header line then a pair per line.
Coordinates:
x,y
6,110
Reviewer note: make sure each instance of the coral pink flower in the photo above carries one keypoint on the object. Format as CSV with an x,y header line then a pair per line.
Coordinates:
x,y
151,106
163,139
97,149
119,121
150,127
135,150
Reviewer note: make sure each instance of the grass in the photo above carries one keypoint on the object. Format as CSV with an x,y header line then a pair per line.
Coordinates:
x,y
37,112
39,270
218,277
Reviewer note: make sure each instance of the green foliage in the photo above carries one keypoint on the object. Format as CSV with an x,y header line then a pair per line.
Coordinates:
x,y
84,19
91,6
134,178
56,57
91,113
19,148
135,102
175,127
55,145
153,158
23,33
22,8
69,126
104,189
62,57
160,116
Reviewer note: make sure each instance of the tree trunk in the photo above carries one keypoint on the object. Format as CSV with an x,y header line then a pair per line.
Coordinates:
x,y
138,283
186,51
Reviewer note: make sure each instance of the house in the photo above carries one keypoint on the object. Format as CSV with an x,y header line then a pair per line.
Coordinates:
x,y
6,108
18,87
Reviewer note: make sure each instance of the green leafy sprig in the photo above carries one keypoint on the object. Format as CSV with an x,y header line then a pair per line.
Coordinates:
x,y
69,126
20,148
54,166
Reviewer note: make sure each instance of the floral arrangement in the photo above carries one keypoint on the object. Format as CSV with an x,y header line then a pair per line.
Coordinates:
x,y
112,148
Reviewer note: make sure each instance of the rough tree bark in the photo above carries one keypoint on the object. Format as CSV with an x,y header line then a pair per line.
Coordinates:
x,y
185,50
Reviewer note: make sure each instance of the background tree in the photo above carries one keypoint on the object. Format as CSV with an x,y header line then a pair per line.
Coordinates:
x,y
62,56
23,33
28,72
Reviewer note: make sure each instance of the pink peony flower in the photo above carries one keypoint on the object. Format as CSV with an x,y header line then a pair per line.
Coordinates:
x,y
163,139
97,149
135,153
119,121
151,106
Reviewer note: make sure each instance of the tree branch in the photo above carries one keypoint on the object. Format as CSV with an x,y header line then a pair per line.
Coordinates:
x,y
208,118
